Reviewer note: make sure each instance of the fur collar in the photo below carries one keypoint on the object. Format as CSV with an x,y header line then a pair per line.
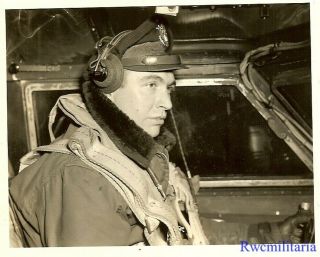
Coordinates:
x,y
132,141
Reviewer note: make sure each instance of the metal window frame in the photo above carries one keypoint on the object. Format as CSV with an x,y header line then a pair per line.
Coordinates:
x,y
28,88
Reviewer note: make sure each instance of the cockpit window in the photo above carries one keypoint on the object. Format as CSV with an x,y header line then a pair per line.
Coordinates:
x,y
224,136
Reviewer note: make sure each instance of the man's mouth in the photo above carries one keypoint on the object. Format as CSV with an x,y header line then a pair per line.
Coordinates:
x,y
158,120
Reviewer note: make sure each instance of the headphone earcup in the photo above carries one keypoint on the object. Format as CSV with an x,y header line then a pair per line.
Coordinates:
x,y
113,73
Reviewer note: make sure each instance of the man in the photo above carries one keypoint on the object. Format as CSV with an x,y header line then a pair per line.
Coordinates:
x,y
107,180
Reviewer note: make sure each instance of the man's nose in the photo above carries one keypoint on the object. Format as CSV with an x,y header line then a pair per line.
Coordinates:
x,y
164,100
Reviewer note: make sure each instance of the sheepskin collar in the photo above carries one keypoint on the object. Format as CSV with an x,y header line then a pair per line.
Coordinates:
x,y
132,141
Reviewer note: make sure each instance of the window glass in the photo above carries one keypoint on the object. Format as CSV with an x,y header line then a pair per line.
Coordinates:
x,y
223,135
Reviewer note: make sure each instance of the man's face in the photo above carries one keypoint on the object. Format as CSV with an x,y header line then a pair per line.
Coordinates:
x,y
145,98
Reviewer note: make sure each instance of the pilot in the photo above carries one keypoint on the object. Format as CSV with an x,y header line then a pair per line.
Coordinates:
x,y
107,180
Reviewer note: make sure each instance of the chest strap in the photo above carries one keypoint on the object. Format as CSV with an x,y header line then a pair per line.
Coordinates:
x,y
135,186
132,182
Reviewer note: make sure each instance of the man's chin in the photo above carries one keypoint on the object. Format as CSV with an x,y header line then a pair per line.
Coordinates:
x,y
153,131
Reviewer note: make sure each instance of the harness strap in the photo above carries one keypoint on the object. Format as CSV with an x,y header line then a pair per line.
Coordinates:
x,y
135,183
132,182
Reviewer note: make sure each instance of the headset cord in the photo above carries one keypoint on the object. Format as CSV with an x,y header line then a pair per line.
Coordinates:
x,y
189,175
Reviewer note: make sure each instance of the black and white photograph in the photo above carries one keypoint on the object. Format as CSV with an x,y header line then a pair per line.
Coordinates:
x,y
172,125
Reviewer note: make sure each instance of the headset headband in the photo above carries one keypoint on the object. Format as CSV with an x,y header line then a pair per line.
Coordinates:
x,y
106,71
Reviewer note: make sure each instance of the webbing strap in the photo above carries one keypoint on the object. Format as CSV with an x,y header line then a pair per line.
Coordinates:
x,y
141,195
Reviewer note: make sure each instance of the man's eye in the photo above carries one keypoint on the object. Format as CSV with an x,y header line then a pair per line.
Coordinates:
x,y
151,84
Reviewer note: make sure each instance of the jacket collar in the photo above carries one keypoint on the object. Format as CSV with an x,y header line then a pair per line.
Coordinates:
x,y
130,139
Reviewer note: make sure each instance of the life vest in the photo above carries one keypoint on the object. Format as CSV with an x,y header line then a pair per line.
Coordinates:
x,y
93,147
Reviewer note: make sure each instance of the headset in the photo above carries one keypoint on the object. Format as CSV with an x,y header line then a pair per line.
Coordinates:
x,y
106,70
